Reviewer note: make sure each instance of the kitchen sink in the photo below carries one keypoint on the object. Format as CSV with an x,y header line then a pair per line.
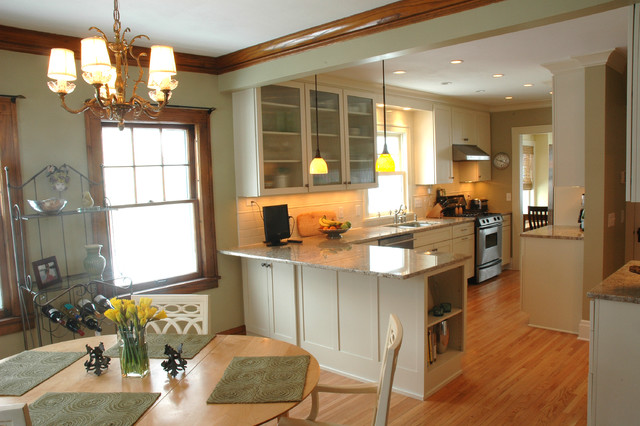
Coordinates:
x,y
413,224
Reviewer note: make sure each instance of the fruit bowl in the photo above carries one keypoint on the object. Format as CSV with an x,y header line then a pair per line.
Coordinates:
x,y
334,233
48,206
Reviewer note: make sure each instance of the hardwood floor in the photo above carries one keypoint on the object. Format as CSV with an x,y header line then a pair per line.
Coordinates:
x,y
513,374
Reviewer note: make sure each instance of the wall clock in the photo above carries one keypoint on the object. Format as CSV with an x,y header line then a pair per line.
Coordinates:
x,y
501,160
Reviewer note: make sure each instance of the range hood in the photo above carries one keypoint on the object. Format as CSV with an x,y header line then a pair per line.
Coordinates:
x,y
469,153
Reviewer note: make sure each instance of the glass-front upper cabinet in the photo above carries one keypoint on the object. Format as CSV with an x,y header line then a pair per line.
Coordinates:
x,y
361,129
281,124
327,134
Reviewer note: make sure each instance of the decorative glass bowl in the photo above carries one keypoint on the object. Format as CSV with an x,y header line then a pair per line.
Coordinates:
x,y
333,233
48,206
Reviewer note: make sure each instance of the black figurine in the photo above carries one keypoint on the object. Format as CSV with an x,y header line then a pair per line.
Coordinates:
x,y
97,361
175,361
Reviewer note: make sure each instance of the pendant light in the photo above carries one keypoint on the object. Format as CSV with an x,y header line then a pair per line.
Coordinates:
x,y
385,162
318,166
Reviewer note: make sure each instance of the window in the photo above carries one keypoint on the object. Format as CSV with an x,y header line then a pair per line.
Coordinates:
x,y
9,157
527,177
392,186
157,178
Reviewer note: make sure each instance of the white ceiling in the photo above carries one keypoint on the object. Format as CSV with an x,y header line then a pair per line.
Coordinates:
x,y
519,56
215,28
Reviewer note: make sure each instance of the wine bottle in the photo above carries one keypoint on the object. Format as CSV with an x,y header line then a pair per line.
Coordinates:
x,y
53,314
86,307
69,310
73,325
102,303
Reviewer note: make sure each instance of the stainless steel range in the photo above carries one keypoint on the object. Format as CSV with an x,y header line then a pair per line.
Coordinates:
x,y
488,246
488,253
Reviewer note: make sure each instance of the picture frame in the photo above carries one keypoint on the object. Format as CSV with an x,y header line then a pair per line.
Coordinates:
x,y
46,272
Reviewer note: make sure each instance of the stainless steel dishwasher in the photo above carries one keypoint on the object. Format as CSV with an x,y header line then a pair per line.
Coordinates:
x,y
402,241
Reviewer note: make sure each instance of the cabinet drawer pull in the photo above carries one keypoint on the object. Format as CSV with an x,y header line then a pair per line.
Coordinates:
x,y
265,265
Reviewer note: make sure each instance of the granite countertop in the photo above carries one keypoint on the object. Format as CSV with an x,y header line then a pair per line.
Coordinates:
x,y
621,286
351,253
556,232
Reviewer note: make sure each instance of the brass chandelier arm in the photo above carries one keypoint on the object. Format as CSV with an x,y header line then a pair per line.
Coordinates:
x,y
87,104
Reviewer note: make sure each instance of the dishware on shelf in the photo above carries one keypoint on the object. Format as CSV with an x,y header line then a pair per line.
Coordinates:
x,y
48,206
333,233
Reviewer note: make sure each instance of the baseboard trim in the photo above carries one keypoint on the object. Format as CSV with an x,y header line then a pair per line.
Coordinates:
x,y
584,330
242,330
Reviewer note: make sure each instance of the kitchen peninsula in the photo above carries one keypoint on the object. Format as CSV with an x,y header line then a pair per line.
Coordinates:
x,y
333,298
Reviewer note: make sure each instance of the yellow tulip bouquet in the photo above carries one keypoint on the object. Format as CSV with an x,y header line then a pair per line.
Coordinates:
x,y
132,320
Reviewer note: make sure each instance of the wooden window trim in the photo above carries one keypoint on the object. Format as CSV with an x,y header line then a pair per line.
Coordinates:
x,y
9,157
200,120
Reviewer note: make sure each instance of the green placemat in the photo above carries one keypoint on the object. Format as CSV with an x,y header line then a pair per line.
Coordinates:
x,y
262,379
192,344
83,408
28,369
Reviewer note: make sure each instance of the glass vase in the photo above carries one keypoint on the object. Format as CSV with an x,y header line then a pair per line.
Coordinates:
x,y
134,355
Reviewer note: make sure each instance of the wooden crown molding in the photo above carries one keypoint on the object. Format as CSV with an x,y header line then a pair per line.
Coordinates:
x,y
394,15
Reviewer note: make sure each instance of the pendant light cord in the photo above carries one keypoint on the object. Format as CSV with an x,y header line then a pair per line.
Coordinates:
x,y
385,150
317,121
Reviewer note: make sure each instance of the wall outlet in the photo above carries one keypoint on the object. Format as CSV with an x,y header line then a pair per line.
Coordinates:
x,y
611,220
418,202
358,210
248,202
340,212
508,196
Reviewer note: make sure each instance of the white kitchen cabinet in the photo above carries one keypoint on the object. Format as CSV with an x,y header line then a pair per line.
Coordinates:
x,y
270,150
433,240
275,139
347,138
464,242
506,239
433,158
269,294
472,128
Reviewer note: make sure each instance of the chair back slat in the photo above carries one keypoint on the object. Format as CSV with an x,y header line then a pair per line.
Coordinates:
x,y
538,216
389,361
186,313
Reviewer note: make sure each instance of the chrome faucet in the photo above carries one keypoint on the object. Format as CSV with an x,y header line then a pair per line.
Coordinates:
x,y
400,215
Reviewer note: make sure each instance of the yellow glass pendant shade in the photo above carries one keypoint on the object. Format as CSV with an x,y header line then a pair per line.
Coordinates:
x,y
385,163
319,166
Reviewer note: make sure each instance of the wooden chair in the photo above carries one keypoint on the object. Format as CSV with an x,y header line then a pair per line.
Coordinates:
x,y
15,415
538,217
185,312
382,388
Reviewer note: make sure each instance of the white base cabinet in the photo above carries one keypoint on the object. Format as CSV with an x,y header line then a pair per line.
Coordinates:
x,y
613,372
342,318
269,290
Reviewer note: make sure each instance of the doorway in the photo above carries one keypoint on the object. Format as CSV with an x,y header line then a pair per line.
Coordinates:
x,y
540,186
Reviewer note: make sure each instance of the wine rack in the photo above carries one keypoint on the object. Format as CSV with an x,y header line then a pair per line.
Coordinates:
x,y
39,237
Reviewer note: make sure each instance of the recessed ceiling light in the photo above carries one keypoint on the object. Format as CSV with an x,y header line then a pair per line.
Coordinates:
x,y
497,75
528,85
508,97
400,72
456,61
445,83
407,109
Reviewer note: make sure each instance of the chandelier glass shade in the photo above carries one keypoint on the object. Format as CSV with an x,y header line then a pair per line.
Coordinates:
x,y
110,80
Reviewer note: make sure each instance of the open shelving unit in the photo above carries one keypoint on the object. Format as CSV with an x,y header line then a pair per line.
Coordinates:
x,y
62,235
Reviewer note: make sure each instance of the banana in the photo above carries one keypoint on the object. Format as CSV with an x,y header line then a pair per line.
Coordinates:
x,y
340,225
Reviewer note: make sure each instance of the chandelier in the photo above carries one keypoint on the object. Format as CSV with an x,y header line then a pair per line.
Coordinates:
x,y
109,81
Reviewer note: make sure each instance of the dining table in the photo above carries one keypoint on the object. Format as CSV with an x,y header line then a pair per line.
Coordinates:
x,y
183,398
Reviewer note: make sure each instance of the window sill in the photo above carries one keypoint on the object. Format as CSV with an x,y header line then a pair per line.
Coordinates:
x,y
10,325
185,287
